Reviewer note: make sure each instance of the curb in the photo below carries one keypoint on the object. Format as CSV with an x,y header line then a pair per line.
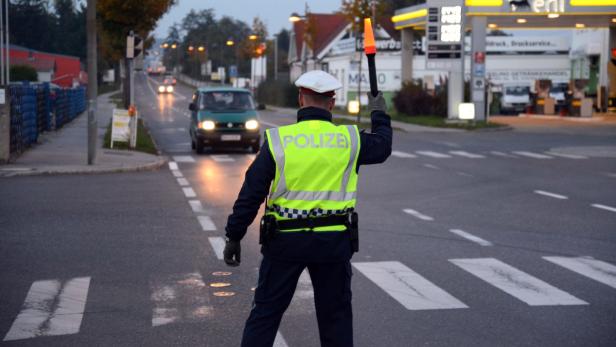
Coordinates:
x,y
152,166
491,130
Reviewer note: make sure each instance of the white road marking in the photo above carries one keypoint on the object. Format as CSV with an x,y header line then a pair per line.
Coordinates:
x,y
400,154
502,154
206,223
184,159
407,287
451,144
180,298
189,192
478,240
516,283
418,214
218,244
532,155
430,166
183,182
222,158
551,195
279,341
604,207
467,154
597,270
464,174
433,154
51,308
177,173
173,165
568,156
196,206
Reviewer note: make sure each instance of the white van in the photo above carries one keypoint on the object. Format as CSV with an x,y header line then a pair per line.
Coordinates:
x,y
515,98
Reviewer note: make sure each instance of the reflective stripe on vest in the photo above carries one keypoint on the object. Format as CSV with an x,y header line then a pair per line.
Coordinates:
x,y
339,179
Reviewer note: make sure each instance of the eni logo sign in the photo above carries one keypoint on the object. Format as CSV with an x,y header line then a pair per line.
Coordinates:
x,y
539,6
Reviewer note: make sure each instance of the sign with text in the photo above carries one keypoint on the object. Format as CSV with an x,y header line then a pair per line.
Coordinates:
x,y
444,33
120,126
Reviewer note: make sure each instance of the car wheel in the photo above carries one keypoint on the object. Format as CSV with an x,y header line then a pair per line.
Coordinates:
x,y
199,147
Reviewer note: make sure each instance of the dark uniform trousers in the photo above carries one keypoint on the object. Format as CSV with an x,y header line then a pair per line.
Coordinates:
x,y
332,297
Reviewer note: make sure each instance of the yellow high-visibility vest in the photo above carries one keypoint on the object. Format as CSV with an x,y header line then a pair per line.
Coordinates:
x,y
315,170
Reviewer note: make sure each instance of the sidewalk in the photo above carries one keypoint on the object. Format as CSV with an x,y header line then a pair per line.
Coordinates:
x,y
66,151
407,127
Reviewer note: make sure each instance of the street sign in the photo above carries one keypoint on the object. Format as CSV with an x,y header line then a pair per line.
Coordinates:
x,y
444,34
233,71
134,46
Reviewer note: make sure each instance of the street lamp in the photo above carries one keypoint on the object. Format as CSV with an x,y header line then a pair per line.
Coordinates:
x,y
293,18
253,37
230,42
201,49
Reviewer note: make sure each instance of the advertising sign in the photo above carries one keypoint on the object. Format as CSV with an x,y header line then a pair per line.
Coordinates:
x,y
120,126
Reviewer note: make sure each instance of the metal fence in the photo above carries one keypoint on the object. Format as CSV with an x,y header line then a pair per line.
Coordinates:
x,y
36,108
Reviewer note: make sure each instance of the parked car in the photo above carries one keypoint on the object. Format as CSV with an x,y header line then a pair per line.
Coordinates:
x,y
515,98
224,117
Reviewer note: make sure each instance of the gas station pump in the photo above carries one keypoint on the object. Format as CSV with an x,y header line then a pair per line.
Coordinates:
x,y
544,104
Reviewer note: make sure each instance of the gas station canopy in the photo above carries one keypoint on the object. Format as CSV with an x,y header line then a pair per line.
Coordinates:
x,y
524,14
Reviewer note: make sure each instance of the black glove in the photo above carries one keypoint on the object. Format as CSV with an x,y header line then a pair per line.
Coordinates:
x,y
376,103
232,250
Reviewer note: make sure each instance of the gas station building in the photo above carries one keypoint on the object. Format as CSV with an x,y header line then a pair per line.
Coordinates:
x,y
445,22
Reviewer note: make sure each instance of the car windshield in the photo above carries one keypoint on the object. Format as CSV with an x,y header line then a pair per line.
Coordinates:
x,y
226,101
518,91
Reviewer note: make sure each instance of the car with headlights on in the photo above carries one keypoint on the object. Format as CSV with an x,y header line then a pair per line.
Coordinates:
x,y
166,86
224,117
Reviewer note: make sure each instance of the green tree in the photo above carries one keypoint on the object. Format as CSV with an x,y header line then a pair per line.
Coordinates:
x,y
32,24
23,73
118,17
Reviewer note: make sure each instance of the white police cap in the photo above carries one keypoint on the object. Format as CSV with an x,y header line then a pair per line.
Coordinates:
x,y
319,82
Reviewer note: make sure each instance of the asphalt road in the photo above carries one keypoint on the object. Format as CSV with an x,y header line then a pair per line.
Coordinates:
x,y
467,239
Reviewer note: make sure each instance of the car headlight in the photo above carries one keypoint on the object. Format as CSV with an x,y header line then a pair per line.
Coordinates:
x,y
207,125
252,124
161,89
169,89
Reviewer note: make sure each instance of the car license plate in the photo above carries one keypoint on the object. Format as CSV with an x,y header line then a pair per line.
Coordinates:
x,y
231,137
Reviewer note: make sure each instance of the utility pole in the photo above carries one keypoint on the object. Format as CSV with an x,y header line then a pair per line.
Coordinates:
x,y
276,57
5,110
92,80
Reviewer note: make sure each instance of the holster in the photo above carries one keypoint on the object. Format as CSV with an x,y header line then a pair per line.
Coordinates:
x,y
354,232
267,229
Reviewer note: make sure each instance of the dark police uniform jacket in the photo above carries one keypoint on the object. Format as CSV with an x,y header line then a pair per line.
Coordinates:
x,y
375,147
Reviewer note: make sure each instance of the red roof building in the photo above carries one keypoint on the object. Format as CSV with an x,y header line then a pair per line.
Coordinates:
x,y
63,70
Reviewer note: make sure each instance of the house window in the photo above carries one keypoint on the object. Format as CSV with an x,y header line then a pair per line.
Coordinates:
x,y
325,67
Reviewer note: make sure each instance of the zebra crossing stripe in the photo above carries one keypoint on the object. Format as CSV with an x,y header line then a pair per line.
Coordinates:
x,y
400,154
407,287
189,192
183,181
516,283
196,206
568,156
433,154
183,159
173,165
279,341
222,158
467,154
177,173
533,155
218,244
597,270
51,308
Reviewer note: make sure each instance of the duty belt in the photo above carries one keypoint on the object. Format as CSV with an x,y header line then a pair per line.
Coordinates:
x,y
313,222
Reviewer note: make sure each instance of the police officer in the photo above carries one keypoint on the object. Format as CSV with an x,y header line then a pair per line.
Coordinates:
x,y
309,170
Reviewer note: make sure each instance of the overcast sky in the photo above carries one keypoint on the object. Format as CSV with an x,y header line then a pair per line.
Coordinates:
x,y
275,13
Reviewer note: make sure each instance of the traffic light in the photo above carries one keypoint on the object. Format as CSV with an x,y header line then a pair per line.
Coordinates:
x,y
134,46
613,55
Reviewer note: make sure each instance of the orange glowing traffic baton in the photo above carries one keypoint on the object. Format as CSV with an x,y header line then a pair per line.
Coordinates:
x,y
370,50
